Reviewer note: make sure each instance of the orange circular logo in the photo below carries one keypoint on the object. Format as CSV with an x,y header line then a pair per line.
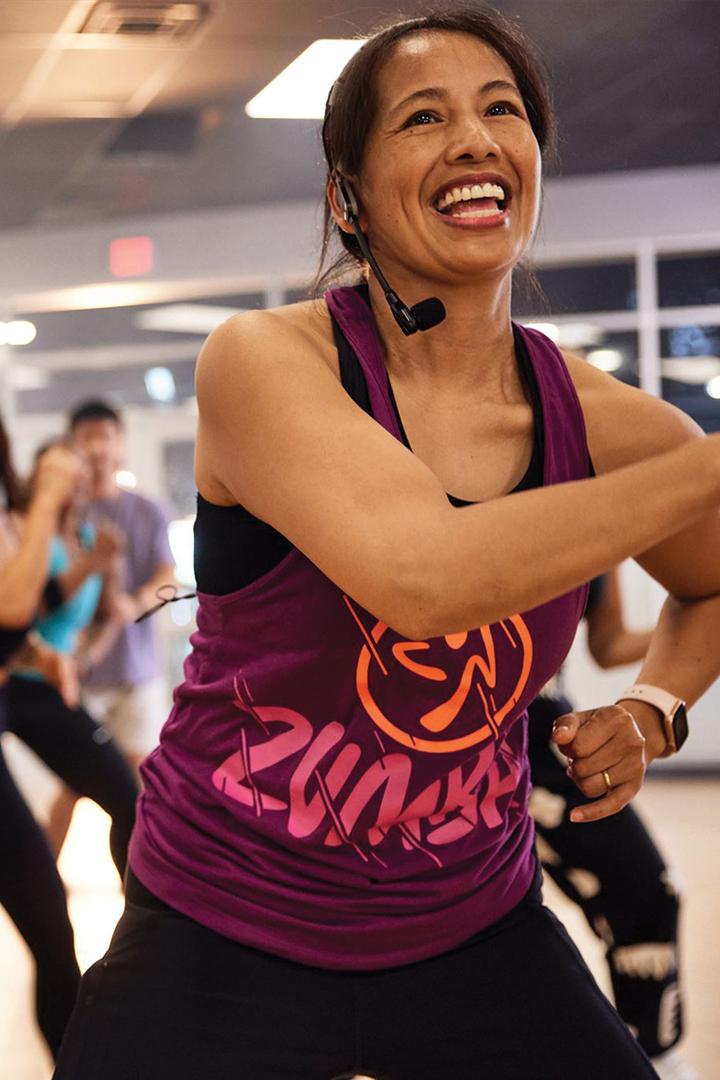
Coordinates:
x,y
468,671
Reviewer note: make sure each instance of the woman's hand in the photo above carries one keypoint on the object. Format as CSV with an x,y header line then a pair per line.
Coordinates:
x,y
110,542
608,756
57,474
58,669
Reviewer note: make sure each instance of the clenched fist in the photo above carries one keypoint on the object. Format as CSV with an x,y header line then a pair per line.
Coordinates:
x,y
607,754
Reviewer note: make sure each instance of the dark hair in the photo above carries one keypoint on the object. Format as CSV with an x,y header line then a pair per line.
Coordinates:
x,y
12,487
352,102
95,409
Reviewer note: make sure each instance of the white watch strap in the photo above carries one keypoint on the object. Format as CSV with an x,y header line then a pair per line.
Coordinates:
x,y
653,695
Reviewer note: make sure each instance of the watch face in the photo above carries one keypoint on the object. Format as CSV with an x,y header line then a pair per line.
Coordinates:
x,y
680,726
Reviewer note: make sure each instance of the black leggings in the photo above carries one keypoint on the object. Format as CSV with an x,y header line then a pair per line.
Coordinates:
x,y
613,871
78,750
172,998
81,754
34,897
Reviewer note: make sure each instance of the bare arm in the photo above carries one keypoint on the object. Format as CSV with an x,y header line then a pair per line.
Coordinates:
x,y
24,574
610,641
278,434
684,652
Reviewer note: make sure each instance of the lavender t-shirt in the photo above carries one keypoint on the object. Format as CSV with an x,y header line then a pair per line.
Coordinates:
x,y
134,658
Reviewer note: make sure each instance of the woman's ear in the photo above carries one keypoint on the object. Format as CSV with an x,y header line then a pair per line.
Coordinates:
x,y
343,204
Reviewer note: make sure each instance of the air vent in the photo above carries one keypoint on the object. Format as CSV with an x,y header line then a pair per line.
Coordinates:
x,y
146,18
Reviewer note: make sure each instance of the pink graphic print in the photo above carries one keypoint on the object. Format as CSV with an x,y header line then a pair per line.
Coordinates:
x,y
330,789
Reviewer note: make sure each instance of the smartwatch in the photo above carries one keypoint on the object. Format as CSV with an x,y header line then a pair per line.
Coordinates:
x,y
673,713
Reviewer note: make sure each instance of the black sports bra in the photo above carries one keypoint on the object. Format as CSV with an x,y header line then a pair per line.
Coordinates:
x,y
233,548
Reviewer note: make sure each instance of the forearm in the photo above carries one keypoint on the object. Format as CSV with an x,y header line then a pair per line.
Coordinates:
x,y
626,648
683,658
104,635
24,574
71,579
489,561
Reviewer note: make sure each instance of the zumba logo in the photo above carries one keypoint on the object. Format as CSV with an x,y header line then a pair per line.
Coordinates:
x,y
447,693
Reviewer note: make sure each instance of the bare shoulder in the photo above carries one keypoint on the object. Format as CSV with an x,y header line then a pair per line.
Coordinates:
x,y
625,424
255,372
252,344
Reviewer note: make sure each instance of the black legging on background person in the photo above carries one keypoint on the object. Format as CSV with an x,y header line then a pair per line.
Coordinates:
x,y
612,870
79,751
31,890
32,893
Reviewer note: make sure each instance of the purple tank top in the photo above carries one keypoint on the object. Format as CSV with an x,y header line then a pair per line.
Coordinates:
x,y
331,792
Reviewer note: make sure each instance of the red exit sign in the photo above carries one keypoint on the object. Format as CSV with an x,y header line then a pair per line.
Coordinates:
x,y
130,256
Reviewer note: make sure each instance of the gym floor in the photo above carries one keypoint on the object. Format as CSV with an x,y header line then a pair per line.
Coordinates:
x,y
683,814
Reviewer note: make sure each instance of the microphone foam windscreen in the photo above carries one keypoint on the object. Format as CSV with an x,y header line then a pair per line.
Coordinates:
x,y
428,313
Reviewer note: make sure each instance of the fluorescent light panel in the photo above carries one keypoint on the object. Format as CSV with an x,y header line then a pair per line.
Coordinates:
x,y
694,370
300,91
185,318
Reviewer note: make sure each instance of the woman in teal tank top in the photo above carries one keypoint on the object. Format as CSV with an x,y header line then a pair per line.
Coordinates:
x,y
74,747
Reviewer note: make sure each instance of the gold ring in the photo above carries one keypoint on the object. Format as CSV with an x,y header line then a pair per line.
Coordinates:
x,y
606,778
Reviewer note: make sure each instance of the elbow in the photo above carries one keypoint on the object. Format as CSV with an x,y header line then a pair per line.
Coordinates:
x,y
405,601
603,660
421,608
602,651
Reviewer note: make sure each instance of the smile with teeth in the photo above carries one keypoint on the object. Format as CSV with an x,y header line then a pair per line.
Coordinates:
x,y
486,200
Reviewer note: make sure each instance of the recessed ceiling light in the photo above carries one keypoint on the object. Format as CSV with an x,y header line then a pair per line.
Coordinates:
x,y
713,387
160,384
17,332
300,91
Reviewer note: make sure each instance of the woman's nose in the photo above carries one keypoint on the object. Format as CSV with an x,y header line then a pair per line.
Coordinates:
x,y
472,140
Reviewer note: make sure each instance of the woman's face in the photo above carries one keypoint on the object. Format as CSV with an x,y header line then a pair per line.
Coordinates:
x,y
443,131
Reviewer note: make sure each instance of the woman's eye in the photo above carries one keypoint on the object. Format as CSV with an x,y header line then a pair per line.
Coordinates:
x,y
422,117
507,106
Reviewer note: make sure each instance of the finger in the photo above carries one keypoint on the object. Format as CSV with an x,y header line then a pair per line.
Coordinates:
x,y
565,728
628,770
614,801
630,744
601,727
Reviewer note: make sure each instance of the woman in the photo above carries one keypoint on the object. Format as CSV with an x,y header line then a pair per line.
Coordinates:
x,y
40,707
82,753
30,887
25,544
332,868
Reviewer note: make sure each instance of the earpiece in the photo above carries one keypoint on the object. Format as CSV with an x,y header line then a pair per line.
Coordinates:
x,y
421,316
347,200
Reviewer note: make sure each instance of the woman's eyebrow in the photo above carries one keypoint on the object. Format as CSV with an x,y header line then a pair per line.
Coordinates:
x,y
437,94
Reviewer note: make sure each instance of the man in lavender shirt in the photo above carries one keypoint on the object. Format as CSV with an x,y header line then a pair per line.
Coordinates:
x,y
124,688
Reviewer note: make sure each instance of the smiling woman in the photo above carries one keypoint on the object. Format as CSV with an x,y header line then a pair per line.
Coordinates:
x,y
353,102
333,868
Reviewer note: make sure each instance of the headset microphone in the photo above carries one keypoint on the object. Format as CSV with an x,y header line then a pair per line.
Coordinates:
x,y
421,316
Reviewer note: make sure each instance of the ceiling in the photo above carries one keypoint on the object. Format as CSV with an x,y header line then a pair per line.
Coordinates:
x,y
97,126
